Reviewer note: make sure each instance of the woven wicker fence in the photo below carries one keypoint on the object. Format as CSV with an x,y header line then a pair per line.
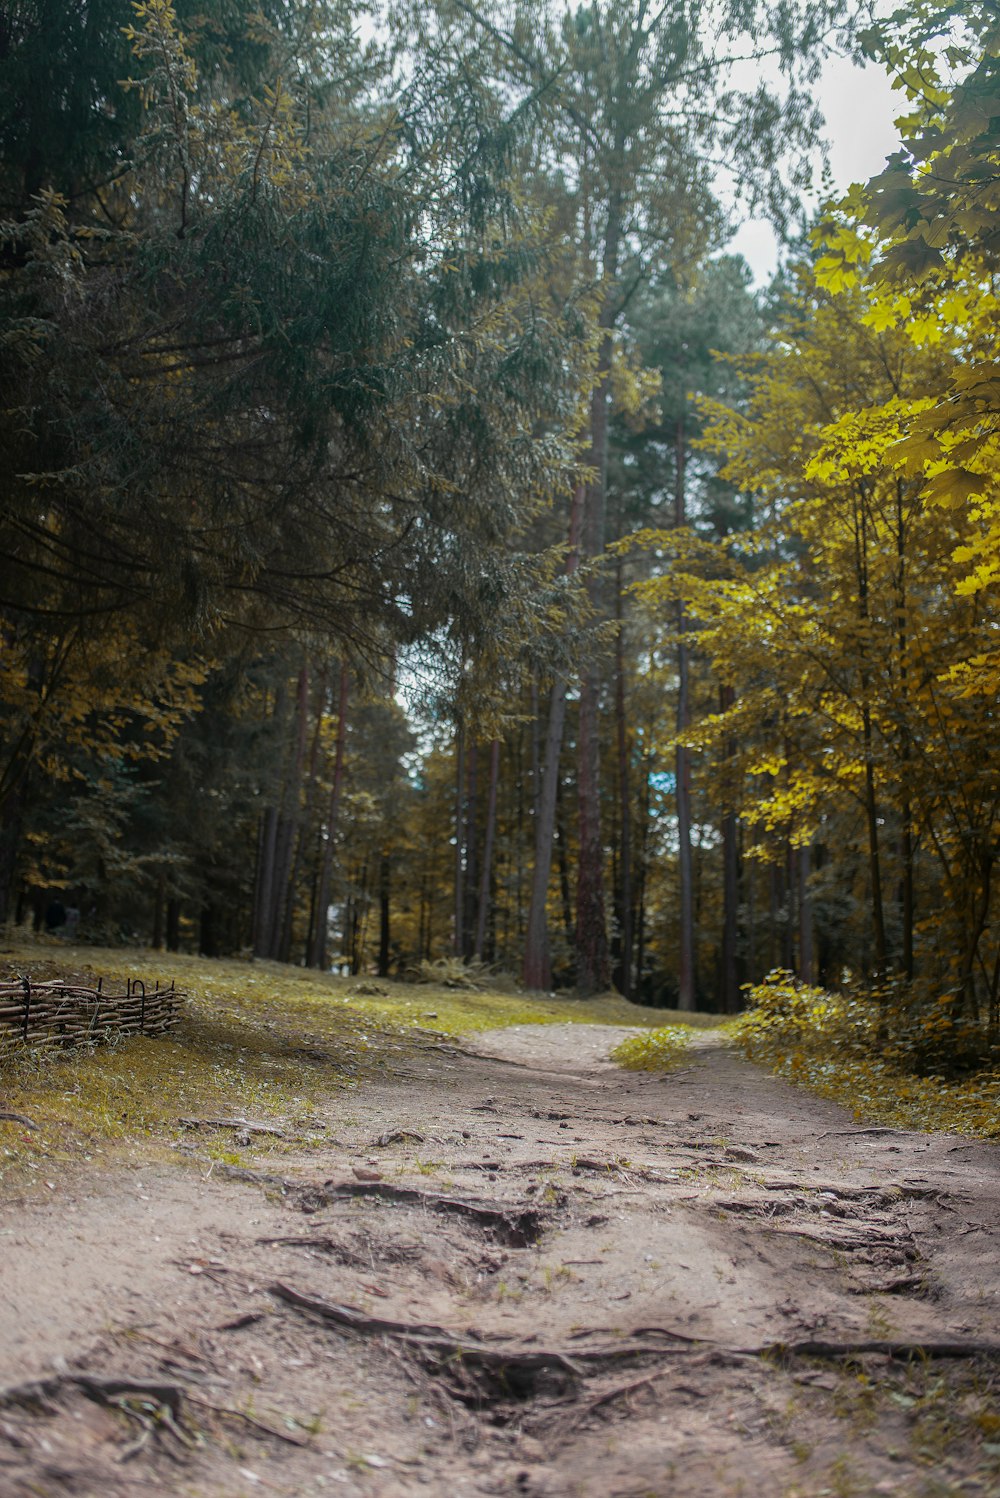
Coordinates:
x,y
63,1015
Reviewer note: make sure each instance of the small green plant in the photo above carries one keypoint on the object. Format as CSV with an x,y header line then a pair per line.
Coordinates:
x,y
656,1050
861,1049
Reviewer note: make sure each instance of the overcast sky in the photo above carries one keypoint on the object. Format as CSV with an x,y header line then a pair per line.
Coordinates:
x,y
859,106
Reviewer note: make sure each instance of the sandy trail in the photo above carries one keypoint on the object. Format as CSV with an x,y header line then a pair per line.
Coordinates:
x,y
565,1280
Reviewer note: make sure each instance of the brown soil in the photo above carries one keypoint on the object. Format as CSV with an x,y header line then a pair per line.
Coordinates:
x,y
575,1281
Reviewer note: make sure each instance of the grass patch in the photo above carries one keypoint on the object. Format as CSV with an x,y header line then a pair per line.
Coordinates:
x,y
259,1040
658,1050
829,1043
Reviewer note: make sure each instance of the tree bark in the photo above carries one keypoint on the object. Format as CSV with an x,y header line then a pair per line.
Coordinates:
x,y
458,936
173,925
623,975
686,974
642,862
384,917
158,904
471,852
593,972
305,831
288,816
807,960
537,971
730,984
266,845
318,954
537,955
488,840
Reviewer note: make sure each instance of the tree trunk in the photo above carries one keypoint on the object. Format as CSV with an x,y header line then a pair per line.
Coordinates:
x,y
208,944
318,954
11,817
592,966
623,975
537,972
291,796
305,832
537,956
643,856
158,903
458,936
266,844
753,970
383,923
807,960
906,889
562,857
488,840
788,927
471,870
874,856
906,900
686,975
730,978
173,925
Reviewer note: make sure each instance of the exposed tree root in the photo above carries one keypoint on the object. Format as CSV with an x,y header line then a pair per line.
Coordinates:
x,y
516,1226
481,1373
913,1350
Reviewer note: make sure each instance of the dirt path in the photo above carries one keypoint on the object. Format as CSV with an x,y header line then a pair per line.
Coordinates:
x,y
516,1269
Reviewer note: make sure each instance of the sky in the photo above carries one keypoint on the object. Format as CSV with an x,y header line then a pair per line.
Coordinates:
x,y
859,106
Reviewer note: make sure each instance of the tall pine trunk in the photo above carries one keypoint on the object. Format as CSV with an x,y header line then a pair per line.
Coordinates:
x,y
593,971
730,985
686,975
807,959
482,914
471,852
623,976
384,946
305,830
537,970
458,936
318,952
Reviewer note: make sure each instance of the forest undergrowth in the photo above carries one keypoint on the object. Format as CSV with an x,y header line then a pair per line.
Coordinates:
x,y
874,1054
875,1057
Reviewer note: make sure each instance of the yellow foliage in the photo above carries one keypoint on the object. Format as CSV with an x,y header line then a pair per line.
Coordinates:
x,y
835,1044
658,1050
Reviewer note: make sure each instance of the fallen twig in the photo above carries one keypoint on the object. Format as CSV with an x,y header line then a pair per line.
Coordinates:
x,y
239,1322
854,1133
244,1124
221,1409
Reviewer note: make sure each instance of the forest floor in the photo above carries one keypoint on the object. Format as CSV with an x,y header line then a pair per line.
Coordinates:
x,y
502,1265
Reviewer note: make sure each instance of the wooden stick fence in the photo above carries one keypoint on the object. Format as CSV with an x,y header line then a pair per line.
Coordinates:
x,y
65,1015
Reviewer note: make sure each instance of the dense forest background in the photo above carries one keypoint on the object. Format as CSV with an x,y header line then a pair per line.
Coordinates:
x,y
419,540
